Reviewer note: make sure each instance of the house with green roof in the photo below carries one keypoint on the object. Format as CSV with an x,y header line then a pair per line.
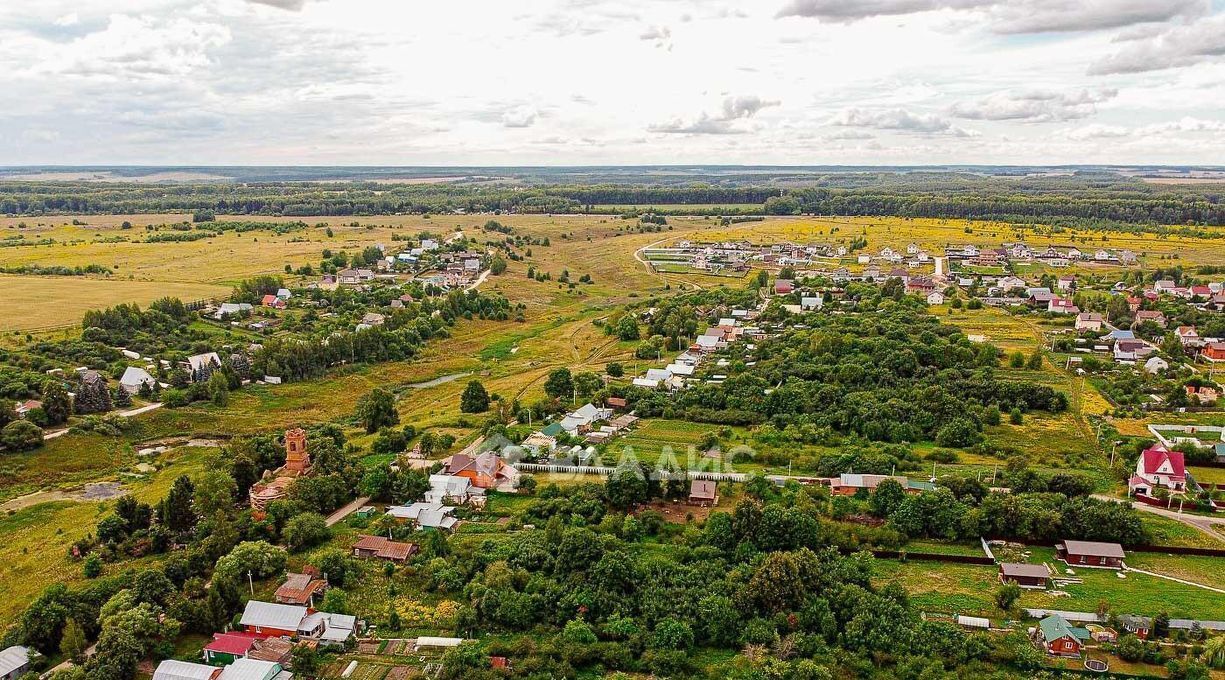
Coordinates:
x,y
1061,638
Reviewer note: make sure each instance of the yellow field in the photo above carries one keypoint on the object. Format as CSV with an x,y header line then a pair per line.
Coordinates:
x,y
36,302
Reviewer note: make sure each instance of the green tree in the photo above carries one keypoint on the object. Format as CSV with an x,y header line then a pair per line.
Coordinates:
x,y
73,643
335,601
177,512
1035,361
474,399
559,384
214,493
304,531
56,403
888,495
615,369
626,486
1007,595
377,410
218,388
627,328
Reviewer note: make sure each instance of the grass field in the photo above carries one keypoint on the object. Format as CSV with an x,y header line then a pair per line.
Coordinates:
x,y
969,589
34,552
38,302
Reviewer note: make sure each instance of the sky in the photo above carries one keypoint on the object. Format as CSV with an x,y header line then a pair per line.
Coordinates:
x,y
629,82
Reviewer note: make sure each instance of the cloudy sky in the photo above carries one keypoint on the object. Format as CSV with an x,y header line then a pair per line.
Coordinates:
x,y
557,82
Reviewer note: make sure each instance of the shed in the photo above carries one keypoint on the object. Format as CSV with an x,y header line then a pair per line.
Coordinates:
x,y
703,492
1025,575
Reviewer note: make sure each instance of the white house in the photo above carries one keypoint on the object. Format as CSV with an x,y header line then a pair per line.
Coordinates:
x,y
1156,365
1159,466
426,515
14,662
226,308
935,298
451,488
811,302
1089,321
131,381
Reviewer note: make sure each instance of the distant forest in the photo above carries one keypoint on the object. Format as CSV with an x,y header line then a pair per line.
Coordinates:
x,y
1087,198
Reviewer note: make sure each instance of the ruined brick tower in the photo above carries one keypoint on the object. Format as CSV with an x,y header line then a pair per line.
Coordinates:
x,y
297,460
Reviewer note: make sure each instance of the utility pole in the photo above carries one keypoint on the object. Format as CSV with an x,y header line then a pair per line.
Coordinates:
x,y
251,583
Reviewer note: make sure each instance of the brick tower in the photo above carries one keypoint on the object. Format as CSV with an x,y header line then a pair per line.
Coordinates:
x,y
297,460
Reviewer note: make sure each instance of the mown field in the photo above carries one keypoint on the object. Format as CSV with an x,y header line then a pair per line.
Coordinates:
x,y
969,589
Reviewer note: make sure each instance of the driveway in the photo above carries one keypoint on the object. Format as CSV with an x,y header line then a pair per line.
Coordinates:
x,y
1201,522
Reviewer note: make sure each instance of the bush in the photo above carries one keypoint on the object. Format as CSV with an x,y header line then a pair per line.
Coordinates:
x,y
21,435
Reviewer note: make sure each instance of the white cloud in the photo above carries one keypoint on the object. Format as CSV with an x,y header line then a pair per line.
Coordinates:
x,y
1098,131
723,123
1034,106
1010,16
1177,46
519,117
898,119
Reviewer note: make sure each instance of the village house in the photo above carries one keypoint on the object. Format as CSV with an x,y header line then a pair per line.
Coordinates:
x,y
268,619
452,489
14,662
273,302
703,493
1090,554
1158,467
847,484
1150,315
539,441
425,515
1156,365
133,378
487,471
1203,394
354,277
1131,350
1188,336
582,418
1025,575
226,648
935,298
1060,305
1089,321
383,548
231,309
1059,638
1214,351
300,589
1066,283
783,287
241,669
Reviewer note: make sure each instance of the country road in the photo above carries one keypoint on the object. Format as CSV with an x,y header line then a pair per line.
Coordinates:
x,y
1202,523
126,414
338,516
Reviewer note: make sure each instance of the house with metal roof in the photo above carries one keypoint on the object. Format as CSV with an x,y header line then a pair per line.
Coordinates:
x,y
268,619
14,662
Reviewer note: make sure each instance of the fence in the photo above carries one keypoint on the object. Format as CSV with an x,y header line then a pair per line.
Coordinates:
x,y
1173,550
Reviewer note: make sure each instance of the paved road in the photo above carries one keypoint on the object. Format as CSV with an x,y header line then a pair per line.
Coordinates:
x,y
1203,523
336,517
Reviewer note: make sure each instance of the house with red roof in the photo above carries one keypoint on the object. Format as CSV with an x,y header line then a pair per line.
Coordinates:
x,y
1159,467
273,302
1060,305
226,648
